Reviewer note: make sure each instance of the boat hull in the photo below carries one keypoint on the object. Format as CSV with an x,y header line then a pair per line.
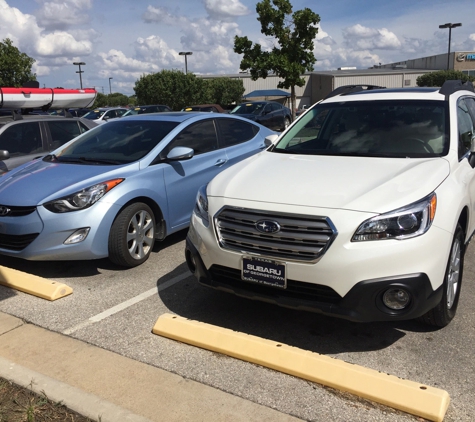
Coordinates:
x,y
46,98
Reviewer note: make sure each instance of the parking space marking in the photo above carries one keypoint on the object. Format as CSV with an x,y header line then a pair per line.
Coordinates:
x,y
127,303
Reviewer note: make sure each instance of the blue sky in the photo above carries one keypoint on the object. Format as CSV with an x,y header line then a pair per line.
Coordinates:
x,y
124,39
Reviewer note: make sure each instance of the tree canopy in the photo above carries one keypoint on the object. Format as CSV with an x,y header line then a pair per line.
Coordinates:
x,y
293,34
178,90
15,66
438,78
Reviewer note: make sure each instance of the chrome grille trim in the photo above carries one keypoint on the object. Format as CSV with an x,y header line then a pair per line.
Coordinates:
x,y
301,237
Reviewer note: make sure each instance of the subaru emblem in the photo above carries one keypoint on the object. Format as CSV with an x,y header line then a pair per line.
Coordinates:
x,y
268,226
4,210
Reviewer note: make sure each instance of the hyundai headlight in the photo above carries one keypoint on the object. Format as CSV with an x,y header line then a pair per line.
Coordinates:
x,y
82,199
201,206
403,223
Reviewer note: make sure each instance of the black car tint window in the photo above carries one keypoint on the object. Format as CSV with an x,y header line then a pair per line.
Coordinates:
x,y
465,125
62,132
233,132
200,136
21,139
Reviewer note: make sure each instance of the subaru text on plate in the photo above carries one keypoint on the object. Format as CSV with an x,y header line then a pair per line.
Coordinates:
x,y
362,209
118,187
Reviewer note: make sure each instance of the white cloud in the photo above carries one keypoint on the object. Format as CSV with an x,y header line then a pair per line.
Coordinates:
x,y
62,14
61,43
225,9
360,38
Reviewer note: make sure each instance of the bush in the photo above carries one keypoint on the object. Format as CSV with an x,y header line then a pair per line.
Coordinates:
x,y
438,78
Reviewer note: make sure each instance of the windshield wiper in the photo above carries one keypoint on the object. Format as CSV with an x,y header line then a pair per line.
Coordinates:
x,y
85,160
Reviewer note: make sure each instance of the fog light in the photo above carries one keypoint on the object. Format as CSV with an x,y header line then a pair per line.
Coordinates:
x,y
78,236
396,299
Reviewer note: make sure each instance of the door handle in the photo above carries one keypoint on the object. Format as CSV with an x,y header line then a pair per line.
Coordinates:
x,y
220,162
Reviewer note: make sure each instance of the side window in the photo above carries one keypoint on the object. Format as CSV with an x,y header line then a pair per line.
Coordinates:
x,y
200,136
275,107
465,126
22,139
120,112
63,131
233,132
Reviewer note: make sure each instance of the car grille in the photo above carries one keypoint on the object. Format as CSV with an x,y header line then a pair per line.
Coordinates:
x,y
231,278
16,242
13,211
302,238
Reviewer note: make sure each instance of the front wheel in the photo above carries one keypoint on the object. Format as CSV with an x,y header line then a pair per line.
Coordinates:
x,y
444,312
286,123
132,235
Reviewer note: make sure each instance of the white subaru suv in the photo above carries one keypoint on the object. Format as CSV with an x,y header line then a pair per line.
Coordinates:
x,y
361,209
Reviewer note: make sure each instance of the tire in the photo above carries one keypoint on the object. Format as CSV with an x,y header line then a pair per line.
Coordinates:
x,y
132,235
444,312
286,123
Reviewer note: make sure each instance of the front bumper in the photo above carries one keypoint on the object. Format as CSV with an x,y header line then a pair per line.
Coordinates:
x,y
363,303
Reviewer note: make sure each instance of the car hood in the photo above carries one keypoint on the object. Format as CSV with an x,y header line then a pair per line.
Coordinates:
x,y
40,181
365,184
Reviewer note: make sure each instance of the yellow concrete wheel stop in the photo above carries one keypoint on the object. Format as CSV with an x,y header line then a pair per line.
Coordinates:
x,y
32,284
408,396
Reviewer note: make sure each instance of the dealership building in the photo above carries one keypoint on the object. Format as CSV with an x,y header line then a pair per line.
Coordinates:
x,y
402,74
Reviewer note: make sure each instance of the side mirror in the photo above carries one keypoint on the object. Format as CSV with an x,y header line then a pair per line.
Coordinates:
x,y
180,153
4,154
270,139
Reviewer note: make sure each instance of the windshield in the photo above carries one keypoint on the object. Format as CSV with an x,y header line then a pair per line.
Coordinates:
x,y
94,114
406,128
117,142
248,108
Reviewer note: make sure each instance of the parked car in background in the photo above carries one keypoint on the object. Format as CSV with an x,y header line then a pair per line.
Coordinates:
x,y
35,135
361,210
302,109
209,108
118,187
147,109
268,113
104,114
74,112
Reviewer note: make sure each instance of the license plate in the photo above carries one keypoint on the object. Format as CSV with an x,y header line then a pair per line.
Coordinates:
x,y
264,271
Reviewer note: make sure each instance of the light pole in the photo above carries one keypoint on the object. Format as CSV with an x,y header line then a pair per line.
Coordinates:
x,y
110,88
450,26
80,71
185,53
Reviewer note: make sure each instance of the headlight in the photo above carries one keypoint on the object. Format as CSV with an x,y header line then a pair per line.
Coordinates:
x,y
403,223
201,206
82,199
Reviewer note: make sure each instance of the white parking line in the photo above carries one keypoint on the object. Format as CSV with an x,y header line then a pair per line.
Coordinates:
x,y
127,303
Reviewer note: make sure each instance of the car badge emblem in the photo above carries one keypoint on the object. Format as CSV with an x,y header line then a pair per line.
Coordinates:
x,y
4,210
268,226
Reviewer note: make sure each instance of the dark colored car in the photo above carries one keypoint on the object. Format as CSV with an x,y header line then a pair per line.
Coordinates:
x,y
74,112
34,135
209,108
271,114
148,109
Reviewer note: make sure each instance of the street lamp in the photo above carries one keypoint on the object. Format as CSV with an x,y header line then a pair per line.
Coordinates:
x,y
450,26
80,71
185,53
110,88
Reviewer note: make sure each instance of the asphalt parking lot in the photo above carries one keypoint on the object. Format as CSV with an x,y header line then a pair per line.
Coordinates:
x,y
116,309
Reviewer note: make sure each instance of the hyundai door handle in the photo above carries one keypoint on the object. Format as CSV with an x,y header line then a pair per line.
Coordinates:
x,y
220,162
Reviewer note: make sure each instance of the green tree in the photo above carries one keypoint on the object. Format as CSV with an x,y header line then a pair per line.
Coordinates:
x,y
438,78
292,54
224,91
169,87
15,66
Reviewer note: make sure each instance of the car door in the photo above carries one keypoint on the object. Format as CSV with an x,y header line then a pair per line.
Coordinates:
x,y
241,139
466,130
24,141
184,178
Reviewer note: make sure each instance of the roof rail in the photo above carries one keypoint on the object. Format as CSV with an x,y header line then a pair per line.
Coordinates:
x,y
348,89
451,86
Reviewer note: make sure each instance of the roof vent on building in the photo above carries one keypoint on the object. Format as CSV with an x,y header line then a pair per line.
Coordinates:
x,y
347,68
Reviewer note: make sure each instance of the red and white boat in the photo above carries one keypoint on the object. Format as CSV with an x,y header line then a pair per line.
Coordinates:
x,y
46,98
